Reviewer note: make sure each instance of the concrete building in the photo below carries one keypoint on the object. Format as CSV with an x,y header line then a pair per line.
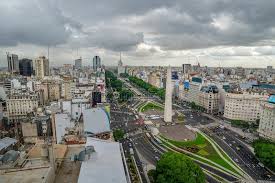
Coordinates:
x,y
186,68
209,99
104,164
68,87
243,106
154,79
267,119
25,67
36,128
61,122
168,97
42,67
193,92
20,103
96,63
13,63
54,90
78,63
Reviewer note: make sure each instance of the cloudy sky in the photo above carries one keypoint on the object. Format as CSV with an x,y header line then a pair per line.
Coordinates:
x,y
147,32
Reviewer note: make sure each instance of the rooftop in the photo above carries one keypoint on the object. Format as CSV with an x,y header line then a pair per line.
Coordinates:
x,y
105,164
96,120
6,142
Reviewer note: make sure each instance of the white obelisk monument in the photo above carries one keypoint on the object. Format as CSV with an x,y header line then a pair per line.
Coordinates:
x,y
168,97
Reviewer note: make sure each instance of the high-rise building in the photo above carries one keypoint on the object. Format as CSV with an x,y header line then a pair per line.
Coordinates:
x,y
168,97
78,63
267,119
96,63
13,63
42,67
25,67
186,68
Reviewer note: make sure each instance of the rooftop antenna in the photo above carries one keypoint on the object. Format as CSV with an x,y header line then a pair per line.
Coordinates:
x,y
120,56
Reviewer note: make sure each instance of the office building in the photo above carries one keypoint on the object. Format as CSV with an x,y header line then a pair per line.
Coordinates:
x,y
13,63
78,63
42,67
25,67
96,63
186,68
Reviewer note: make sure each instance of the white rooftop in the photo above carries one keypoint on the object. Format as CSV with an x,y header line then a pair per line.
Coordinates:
x,y
96,120
105,164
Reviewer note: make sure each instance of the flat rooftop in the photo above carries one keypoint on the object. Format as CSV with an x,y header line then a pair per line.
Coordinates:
x,y
105,164
36,175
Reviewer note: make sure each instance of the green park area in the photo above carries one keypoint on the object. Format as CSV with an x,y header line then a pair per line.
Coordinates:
x,y
202,147
150,106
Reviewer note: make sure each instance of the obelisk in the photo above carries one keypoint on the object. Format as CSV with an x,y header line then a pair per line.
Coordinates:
x,y
168,97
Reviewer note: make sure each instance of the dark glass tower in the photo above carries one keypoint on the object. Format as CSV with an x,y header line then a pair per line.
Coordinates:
x,y
25,67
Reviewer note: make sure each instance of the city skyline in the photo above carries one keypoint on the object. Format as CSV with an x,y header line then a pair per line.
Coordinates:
x,y
146,32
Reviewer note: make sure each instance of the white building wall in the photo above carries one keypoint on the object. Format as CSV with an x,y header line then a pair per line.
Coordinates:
x,y
267,121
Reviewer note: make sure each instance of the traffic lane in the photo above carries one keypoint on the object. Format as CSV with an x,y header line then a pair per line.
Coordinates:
x,y
241,155
146,150
234,156
248,157
126,147
208,178
142,140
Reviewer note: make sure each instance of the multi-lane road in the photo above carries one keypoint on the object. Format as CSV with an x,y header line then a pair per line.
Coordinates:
x,y
230,142
234,146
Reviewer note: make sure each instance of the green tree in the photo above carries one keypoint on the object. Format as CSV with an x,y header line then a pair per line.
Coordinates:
x,y
265,151
125,95
177,168
118,134
124,75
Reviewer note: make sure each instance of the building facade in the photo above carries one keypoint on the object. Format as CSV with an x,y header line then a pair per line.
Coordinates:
x,y
13,63
243,106
20,103
78,63
25,67
267,120
42,67
209,99
96,63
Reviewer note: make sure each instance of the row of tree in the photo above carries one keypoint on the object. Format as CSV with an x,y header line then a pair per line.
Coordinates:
x,y
265,151
148,87
117,86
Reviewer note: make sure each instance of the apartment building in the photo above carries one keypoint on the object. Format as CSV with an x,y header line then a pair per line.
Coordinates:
x,y
209,99
245,106
267,119
20,103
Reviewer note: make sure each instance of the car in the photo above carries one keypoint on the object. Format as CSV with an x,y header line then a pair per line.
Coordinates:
x,y
236,160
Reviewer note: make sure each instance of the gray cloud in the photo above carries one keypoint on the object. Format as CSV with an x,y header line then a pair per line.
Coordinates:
x,y
123,25
34,22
